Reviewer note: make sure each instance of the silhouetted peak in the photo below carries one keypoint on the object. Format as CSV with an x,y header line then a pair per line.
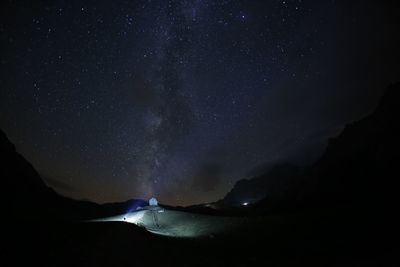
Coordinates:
x,y
5,144
390,99
272,184
359,165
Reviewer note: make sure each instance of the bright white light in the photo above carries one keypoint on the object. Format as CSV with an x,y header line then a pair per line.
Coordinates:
x,y
245,203
173,223
134,217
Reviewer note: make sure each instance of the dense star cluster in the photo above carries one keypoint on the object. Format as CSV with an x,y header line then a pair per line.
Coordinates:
x,y
112,100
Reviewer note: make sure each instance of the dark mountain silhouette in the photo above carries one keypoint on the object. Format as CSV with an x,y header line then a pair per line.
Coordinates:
x,y
23,188
358,168
274,185
27,195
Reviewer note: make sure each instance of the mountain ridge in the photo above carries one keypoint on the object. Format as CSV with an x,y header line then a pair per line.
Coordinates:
x,y
365,149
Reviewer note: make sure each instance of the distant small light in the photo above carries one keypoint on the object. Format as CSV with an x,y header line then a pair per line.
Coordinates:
x,y
245,203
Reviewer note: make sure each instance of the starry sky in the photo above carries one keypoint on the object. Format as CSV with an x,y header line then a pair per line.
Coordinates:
x,y
113,100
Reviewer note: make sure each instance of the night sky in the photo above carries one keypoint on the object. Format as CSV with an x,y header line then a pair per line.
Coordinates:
x,y
113,100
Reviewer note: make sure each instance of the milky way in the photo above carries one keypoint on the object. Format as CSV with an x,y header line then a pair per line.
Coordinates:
x,y
180,99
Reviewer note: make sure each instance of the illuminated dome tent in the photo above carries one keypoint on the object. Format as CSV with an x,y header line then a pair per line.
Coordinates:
x,y
153,202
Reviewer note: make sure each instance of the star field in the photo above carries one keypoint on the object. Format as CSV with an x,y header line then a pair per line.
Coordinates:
x,y
112,100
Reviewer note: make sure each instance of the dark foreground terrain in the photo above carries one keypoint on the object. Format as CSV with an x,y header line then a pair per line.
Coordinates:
x,y
331,239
